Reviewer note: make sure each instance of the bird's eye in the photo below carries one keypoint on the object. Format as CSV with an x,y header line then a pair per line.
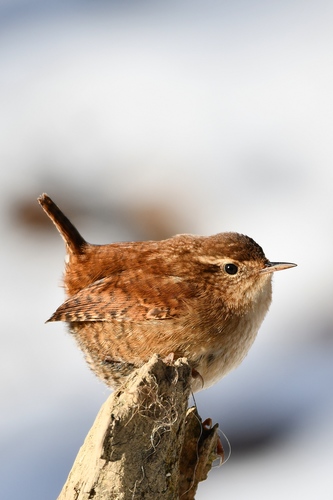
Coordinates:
x,y
231,268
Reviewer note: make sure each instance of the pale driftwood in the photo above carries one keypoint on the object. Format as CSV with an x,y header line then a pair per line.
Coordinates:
x,y
145,443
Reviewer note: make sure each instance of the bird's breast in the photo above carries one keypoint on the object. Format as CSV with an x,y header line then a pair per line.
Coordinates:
x,y
227,344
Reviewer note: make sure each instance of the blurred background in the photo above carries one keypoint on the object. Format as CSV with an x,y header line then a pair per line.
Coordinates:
x,y
143,119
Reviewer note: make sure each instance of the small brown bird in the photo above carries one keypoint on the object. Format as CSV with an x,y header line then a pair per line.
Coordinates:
x,y
203,298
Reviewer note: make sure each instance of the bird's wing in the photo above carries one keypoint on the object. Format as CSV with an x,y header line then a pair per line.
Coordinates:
x,y
117,298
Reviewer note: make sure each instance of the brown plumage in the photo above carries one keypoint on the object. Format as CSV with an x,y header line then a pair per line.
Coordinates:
x,y
199,297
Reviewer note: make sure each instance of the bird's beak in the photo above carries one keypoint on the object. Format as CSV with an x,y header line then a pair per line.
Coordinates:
x,y
271,267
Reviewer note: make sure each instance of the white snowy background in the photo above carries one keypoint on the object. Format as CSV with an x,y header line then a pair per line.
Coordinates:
x,y
143,119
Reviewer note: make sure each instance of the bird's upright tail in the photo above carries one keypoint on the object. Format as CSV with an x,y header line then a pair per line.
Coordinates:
x,y
74,241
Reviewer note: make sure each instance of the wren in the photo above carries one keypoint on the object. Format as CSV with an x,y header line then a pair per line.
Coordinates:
x,y
203,298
